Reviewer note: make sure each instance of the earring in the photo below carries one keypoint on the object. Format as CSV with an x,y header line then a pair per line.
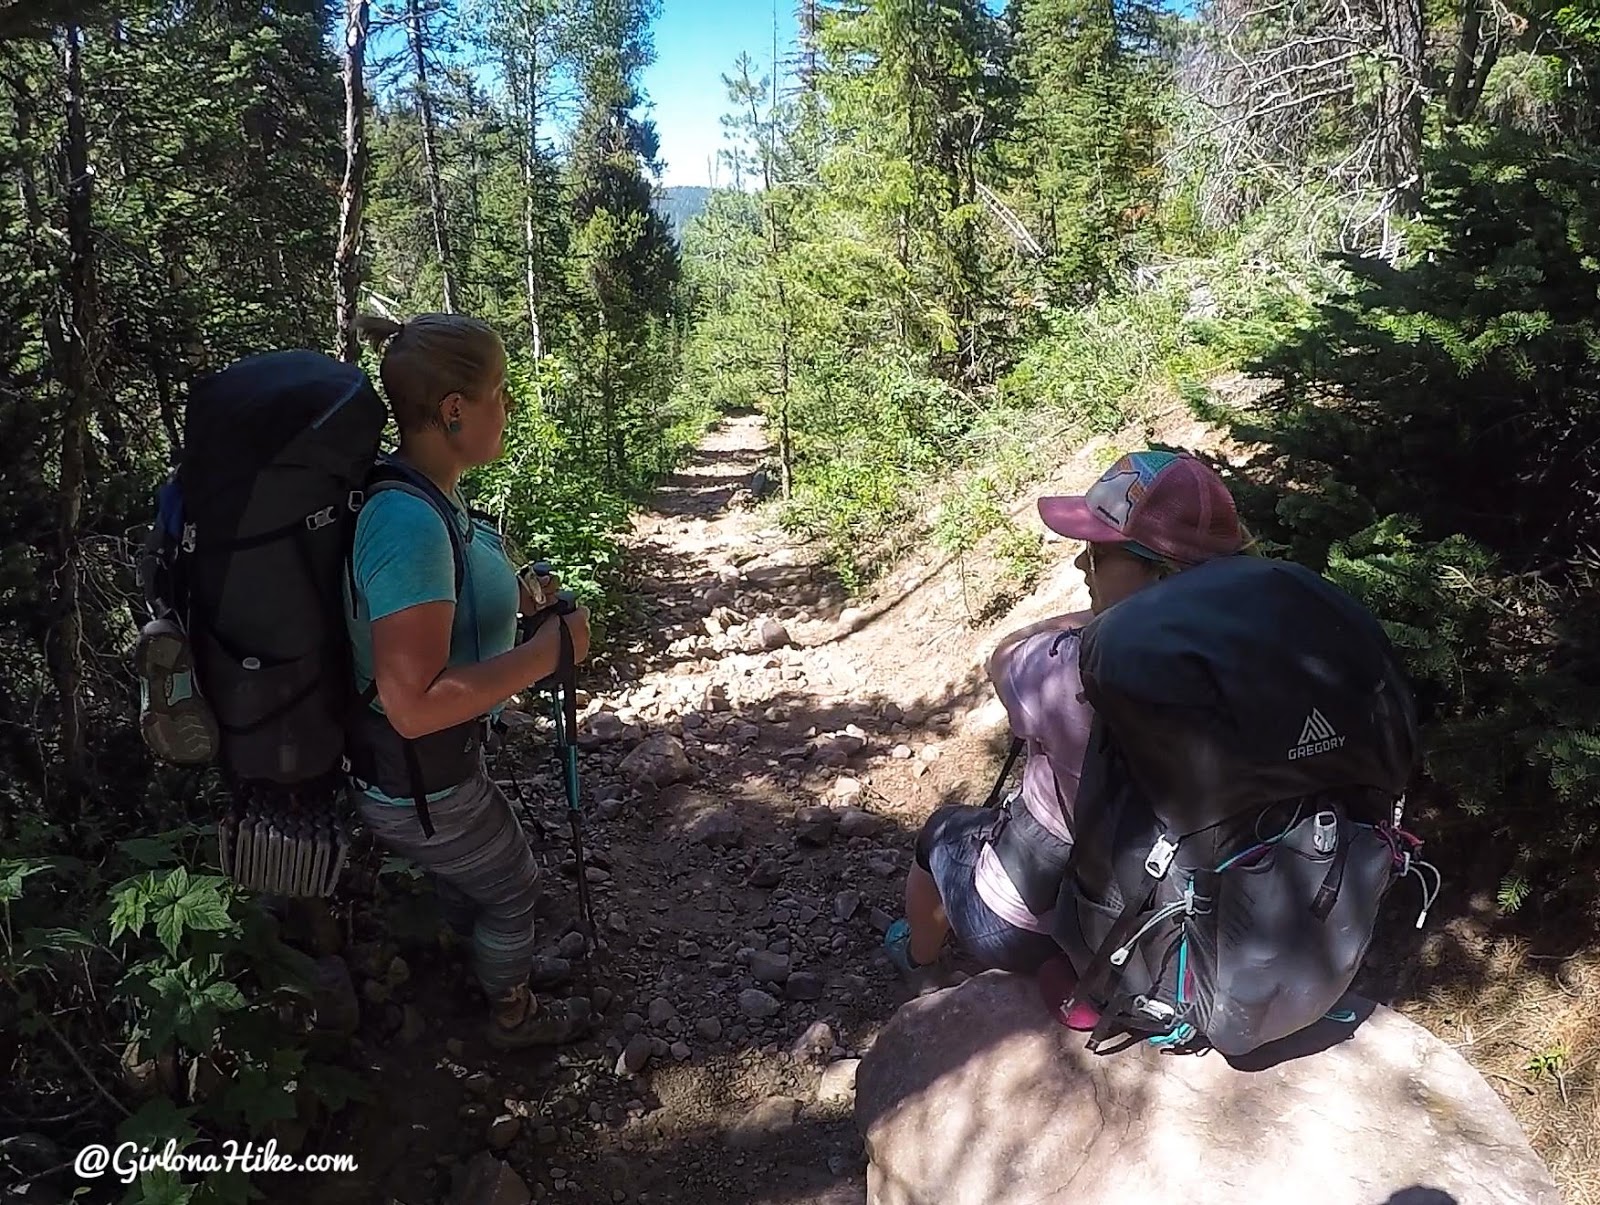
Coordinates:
x,y
455,426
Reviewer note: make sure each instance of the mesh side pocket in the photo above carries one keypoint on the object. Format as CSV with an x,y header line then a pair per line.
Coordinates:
x,y
1276,967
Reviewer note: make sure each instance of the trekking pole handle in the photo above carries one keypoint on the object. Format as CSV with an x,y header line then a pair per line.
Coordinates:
x,y
566,601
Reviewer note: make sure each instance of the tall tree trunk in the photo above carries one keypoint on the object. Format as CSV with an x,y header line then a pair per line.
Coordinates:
x,y
352,190
1402,103
81,387
767,143
608,410
1466,63
430,152
807,18
530,234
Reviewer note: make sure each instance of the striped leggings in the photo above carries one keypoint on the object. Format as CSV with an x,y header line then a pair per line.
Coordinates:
x,y
480,859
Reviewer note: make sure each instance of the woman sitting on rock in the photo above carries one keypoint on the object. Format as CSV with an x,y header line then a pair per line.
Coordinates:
x,y
991,875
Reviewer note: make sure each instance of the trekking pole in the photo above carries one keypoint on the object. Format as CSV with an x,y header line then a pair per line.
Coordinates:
x,y
564,712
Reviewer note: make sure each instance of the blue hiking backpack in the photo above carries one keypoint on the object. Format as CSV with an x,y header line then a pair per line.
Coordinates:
x,y
244,574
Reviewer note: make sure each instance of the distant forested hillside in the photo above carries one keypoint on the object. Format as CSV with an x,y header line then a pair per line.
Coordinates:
x,y
680,204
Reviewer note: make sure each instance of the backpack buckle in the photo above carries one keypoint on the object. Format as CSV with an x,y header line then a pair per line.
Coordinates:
x,y
319,520
1156,1010
1160,858
187,543
1325,833
356,500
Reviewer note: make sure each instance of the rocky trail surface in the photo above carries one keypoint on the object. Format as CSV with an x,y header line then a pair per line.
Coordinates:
x,y
756,762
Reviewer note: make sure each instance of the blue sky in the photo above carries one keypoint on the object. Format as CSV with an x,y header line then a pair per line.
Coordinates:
x,y
697,42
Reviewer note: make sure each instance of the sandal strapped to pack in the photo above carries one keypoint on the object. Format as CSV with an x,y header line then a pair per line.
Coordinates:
x,y
177,722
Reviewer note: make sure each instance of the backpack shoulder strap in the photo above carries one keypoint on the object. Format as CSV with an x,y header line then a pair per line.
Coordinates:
x,y
1005,772
391,474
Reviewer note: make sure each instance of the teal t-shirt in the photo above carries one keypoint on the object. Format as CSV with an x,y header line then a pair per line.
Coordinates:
x,y
402,558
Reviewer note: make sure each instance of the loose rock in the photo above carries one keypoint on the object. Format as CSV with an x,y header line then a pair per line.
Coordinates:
x,y
858,822
771,1117
768,874
635,1055
815,825
602,728
721,828
572,945
817,1040
773,634
754,1002
838,1083
488,1181
658,761
503,1131
768,967
803,985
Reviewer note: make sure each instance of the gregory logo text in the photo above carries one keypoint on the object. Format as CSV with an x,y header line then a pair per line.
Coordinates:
x,y
1318,736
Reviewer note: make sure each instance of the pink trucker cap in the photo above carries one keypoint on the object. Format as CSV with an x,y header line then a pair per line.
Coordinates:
x,y
1166,505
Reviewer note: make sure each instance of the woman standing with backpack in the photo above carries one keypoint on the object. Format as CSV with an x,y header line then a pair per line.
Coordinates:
x,y
434,664
991,875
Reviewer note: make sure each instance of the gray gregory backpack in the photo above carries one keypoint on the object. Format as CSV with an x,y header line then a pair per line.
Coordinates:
x,y
1238,822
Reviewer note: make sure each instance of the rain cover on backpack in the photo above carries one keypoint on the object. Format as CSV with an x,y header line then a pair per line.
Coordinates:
x,y
1236,820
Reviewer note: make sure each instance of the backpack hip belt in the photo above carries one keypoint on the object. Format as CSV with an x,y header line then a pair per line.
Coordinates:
x,y
413,769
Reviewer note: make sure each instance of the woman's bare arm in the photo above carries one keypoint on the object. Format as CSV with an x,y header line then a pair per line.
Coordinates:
x,y
421,693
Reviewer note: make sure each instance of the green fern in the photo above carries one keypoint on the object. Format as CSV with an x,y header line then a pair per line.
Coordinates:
x,y
1513,893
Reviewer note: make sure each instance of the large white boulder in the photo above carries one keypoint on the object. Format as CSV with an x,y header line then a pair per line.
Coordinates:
x,y
975,1096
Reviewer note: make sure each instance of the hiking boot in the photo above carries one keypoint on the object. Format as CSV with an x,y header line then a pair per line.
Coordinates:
x,y
518,1021
177,724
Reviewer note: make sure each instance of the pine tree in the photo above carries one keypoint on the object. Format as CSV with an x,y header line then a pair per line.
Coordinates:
x,y
1435,444
193,190
1092,74
626,261
915,95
